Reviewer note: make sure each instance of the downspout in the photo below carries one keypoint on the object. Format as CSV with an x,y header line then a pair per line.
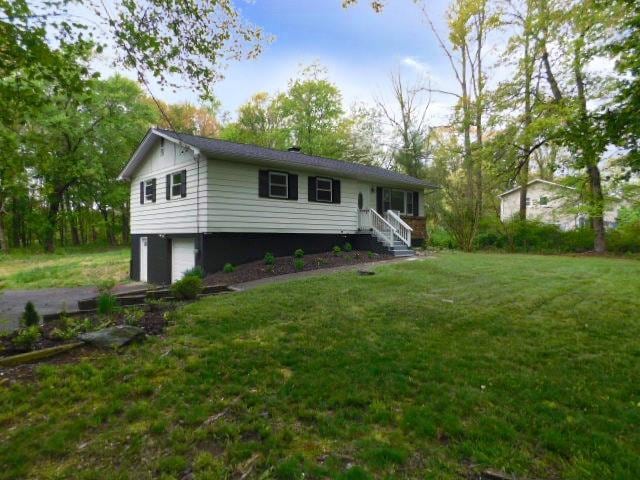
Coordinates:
x,y
196,155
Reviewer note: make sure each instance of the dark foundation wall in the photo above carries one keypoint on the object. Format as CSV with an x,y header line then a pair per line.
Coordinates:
x,y
238,248
216,249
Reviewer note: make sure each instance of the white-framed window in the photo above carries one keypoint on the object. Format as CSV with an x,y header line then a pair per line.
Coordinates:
x,y
278,185
149,190
161,146
324,189
176,184
528,202
398,200
544,201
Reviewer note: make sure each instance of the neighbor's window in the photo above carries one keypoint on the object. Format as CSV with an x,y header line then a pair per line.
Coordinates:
x,y
278,185
528,202
149,186
544,201
324,189
176,184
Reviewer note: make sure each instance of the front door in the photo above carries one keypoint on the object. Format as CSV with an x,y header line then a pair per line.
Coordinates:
x,y
143,259
183,257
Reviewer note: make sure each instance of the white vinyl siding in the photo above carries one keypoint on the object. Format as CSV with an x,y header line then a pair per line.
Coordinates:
x,y
234,204
178,215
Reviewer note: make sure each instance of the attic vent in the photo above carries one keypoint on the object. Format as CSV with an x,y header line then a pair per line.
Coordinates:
x,y
294,149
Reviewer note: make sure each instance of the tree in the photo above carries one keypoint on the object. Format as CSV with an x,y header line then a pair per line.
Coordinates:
x,y
575,34
313,108
622,118
168,40
187,118
407,119
261,121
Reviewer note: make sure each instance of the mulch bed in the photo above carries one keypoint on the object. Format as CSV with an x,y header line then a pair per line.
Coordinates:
x,y
317,261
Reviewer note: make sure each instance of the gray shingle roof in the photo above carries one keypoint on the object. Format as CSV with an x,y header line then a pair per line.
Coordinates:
x,y
246,152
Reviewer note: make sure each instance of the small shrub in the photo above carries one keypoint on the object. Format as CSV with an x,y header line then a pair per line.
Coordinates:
x,y
30,316
347,247
187,288
228,268
70,327
133,315
27,337
196,271
107,303
370,254
299,253
337,251
298,264
269,259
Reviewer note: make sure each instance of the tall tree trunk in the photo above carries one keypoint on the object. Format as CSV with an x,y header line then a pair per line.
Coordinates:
x,y
73,221
4,241
596,198
51,221
526,147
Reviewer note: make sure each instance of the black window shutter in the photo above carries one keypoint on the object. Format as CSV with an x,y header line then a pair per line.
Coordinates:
x,y
141,193
263,183
335,194
416,207
183,185
293,186
168,182
312,189
153,189
379,199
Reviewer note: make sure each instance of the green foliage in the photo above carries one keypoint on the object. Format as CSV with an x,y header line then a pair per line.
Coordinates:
x,y
298,264
30,316
269,259
625,238
133,315
337,251
347,247
440,238
228,268
370,254
106,285
27,337
107,303
299,253
196,271
187,288
69,327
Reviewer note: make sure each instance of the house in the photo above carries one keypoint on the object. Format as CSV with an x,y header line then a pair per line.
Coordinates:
x,y
551,202
207,202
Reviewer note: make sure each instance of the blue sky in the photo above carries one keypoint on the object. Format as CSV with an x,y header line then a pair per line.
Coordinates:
x,y
358,47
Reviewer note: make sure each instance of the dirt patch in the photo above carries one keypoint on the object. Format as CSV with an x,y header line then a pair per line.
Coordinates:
x,y
27,372
283,265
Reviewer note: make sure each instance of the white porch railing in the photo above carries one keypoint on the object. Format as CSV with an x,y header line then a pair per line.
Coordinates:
x,y
368,219
402,230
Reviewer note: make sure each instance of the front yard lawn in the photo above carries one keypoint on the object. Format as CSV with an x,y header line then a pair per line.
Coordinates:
x,y
72,267
435,368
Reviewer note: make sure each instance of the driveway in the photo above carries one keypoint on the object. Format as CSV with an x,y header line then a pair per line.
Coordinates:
x,y
46,300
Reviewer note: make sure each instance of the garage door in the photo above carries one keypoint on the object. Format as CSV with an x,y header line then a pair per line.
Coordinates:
x,y
183,257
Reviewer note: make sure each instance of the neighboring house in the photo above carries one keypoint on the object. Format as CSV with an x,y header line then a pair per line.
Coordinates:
x,y
206,202
550,202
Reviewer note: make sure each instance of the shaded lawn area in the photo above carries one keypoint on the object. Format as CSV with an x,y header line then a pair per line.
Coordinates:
x,y
70,267
429,369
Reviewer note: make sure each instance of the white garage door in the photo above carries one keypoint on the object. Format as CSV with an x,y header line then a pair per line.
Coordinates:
x,y
183,257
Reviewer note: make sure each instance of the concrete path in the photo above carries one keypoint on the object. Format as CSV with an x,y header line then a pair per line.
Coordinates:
x,y
323,271
46,300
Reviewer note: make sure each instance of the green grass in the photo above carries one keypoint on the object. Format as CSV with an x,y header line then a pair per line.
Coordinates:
x,y
74,267
526,364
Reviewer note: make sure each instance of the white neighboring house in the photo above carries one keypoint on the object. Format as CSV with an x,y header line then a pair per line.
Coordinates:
x,y
550,202
206,202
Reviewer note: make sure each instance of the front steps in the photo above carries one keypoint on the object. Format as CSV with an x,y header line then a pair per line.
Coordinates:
x,y
400,249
